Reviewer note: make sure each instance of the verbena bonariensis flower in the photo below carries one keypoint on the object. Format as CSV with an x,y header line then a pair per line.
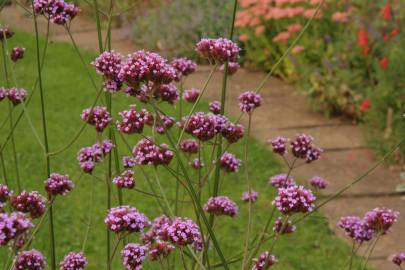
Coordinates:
x,y
281,227
58,184
126,219
5,33
318,182
143,66
97,116
196,164
29,260
132,120
165,123
5,193
89,156
167,92
229,162
17,53
147,152
57,11
200,125
191,95
13,226
109,64
159,250
264,261
220,122
29,202
133,256
248,101
219,50
183,67
158,230
381,219
303,148
279,145
233,132
221,206
294,199
399,258
356,228
183,232
215,107
73,261
250,196
232,68
189,146
281,181
3,93
125,180
16,95
128,162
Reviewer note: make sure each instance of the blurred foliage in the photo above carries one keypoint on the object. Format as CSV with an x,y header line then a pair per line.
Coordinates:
x,y
175,26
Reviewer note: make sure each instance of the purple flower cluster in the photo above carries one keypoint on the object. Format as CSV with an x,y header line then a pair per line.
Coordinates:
x,y
133,256
158,230
221,206
215,107
232,68
97,116
356,228
318,182
191,95
196,164
57,11
73,261
17,53
58,184
5,193
281,227
29,260
125,179
229,162
109,64
147,152
3,93
248,101
165,123
5,33
200,125
29,202
398,259
219,50
183,67
281,181
167,92
250,196
279,145
380,220
264,261
303,148
89,156
183,231
233,132
160,249
132,121
189,146
143,66
128,162
13,226
126,219
294,199
15,95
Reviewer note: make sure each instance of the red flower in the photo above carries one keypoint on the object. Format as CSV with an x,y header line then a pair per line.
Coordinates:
x,y
387,37
365,105
386,12
384,62
394,32
362,40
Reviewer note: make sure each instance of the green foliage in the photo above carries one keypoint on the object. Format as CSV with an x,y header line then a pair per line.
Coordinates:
x,y
174,27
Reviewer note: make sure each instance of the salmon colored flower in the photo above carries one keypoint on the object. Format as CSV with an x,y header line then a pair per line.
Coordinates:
x,y
282,37
342,17
260,29
244,37
293,28
297,49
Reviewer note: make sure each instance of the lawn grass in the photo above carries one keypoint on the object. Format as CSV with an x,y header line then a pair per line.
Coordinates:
x,y
67,92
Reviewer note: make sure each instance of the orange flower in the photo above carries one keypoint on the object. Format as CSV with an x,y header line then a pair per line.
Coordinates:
x,y
292,28
282,37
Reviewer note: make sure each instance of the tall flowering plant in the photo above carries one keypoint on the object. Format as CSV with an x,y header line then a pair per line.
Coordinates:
x,y
175,143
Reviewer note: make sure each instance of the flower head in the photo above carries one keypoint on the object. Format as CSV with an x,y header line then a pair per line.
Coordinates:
x,y
219,50
89,156
5,193
17,53
233,132
16,95
29,202
189,146
318,182
294,199
57,11
232,68
73,261
183,232
220,206
250,196
133,256
196,164
264,261
3,93
128,162
183,67
281,181
147,152
5,33
248,101
191,95
279,145
13,226
125,179
126,219
229,162
58,184
356,228
97,116
281,227
398,259
303,148
160,249
381,219
215,107
29,260
132,121
200,125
